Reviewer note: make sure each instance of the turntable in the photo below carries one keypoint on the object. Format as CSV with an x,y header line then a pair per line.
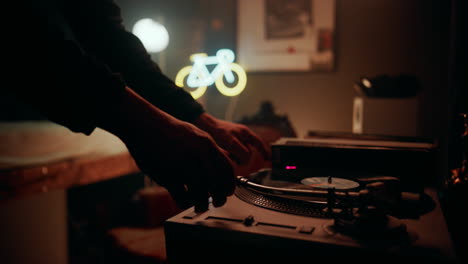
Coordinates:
x,y
275,216
319,219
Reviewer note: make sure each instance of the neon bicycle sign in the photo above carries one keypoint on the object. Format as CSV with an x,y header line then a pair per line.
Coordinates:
x,y
229,77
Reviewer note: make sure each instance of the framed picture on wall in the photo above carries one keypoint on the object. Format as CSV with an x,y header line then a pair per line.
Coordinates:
x,y
286,35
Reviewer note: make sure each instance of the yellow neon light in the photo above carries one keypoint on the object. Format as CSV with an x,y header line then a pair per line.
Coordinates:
x,y
241,82
180,79
198,77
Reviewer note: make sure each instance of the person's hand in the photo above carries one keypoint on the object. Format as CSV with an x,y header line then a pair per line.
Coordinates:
x,y
234,138
187,162
175,154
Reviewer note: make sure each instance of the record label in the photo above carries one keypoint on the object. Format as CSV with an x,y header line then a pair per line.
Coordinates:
x,y
330,182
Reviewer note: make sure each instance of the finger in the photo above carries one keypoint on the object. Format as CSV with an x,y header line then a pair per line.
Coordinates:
x,y
180,195
224,181
219,193
200,197
218,201
237,151
220,178
248,137
201,204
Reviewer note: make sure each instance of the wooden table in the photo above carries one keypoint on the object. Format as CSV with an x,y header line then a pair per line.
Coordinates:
x,y
23,181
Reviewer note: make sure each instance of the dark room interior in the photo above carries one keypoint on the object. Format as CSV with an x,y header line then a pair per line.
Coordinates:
x,y
261,131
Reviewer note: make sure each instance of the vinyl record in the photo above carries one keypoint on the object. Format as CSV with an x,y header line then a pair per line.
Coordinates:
x,y
330,182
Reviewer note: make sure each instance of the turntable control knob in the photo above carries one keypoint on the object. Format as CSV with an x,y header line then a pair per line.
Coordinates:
x,y
249,220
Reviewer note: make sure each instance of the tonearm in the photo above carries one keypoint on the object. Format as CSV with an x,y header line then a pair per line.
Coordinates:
x,y
382,193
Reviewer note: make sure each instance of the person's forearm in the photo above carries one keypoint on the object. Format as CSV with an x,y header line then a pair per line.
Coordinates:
x,y
128,113
204,121
176,154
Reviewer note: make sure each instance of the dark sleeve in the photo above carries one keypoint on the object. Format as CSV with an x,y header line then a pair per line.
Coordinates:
x,y
51,72
98,26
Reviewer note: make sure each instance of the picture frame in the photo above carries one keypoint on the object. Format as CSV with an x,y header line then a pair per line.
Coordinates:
x,y
286,35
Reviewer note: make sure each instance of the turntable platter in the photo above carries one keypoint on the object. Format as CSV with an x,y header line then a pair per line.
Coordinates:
x,y
330,182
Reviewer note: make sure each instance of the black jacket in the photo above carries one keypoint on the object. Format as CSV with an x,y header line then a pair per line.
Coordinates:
x,y
70,57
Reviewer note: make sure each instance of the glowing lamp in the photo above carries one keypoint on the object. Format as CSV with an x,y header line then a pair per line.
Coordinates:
x,y
152,34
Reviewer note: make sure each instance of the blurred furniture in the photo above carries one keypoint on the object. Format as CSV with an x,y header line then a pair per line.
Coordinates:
x,y
138,245
270,127
386,105
41,156
145,243
40,162
21,182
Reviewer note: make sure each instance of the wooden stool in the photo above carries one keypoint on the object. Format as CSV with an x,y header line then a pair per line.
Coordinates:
x,y
137,245
141,245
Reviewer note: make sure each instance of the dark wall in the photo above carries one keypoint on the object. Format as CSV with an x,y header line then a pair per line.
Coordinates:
x,y
372,38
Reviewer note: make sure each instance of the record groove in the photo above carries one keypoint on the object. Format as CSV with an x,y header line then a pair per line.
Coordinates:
x,y
291,206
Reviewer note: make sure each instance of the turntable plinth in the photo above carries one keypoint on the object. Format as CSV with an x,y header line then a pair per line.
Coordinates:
x,y
243,232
